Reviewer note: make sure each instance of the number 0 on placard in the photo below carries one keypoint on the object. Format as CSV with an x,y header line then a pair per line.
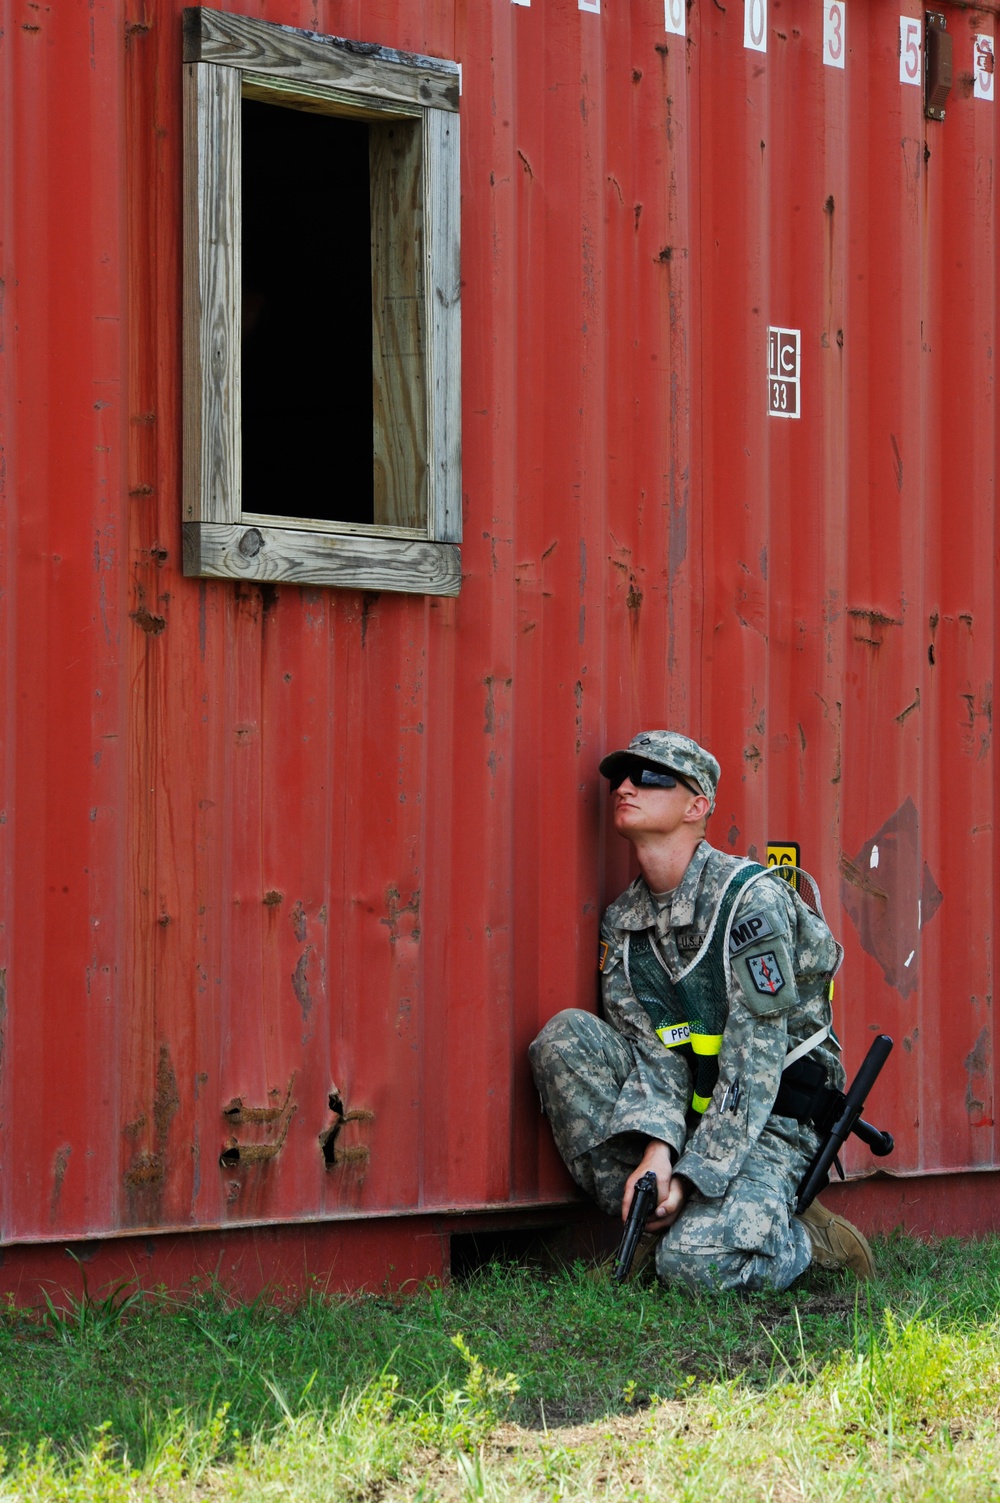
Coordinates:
x,y
834,33
674,17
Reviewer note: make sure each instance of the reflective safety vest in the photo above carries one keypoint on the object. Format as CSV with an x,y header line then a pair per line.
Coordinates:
x,y
689,1014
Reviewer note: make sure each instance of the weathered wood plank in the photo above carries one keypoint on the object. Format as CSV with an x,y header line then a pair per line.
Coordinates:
x,y
211,313
345,560
381,72
316,100
444,321
399,389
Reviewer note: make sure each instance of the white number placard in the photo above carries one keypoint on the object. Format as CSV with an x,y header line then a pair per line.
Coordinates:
x,y
674,16
783,353
520,2
982,60
755,25
594,6
834,33
911,46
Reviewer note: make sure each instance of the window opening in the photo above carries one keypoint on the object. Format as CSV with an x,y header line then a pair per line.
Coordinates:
x,y
306,347
322,382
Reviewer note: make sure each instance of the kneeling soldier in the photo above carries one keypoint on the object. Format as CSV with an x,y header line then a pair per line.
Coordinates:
x,y
715,981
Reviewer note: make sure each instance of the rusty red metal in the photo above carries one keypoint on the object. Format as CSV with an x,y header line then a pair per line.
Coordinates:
x,y
267,847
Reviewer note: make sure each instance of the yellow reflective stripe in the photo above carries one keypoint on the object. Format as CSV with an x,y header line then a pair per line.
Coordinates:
x,y
700,1103
706,1043
672,1034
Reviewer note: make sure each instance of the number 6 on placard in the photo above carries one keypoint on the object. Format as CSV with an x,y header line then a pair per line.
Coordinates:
x,y
911,42
834,33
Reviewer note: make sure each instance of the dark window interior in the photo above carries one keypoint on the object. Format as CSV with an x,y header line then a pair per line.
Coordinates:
x,y
307,316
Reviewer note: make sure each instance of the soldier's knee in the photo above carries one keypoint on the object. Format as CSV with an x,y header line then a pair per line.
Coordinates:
x,y
715,1269
562,1032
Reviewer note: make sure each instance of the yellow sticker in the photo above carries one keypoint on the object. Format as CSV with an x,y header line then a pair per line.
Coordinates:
x,y
605,947
785,853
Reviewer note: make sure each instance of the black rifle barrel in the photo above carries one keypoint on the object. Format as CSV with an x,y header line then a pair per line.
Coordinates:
x,y
818,1172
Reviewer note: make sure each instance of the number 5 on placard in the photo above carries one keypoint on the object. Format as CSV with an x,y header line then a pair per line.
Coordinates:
x,y
834,33
911,44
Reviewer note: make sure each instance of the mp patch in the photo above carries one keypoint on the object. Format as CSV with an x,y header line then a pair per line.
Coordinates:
x,y
766,973
755,926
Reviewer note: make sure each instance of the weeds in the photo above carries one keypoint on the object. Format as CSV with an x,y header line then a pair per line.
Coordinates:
x,y
518,1385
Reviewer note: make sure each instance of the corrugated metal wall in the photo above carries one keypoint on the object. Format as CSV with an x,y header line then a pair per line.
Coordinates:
x,y
258,844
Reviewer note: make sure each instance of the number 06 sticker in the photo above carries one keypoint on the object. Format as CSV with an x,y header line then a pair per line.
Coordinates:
x,y
834,33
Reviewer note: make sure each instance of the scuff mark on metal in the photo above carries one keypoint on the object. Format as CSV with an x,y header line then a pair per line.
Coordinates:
x,y
300,982
914,705
239,1114
145,1170
147,620
898,465
979,1069
59,1167
397,909
166,1102
235,1153
874,618
298,921
890,913
978,707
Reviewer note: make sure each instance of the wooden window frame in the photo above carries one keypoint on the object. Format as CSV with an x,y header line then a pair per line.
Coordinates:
x,y
226,58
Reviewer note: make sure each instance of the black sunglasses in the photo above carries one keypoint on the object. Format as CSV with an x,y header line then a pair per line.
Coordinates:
x,y
641,775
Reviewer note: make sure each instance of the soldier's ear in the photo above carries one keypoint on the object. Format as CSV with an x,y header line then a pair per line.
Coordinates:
x,y
698,809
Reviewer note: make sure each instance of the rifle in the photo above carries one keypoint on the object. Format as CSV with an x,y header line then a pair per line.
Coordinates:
x,y
843,1117
642,1207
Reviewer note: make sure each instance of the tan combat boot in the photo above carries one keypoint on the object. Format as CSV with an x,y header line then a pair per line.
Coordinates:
x,y
836,1243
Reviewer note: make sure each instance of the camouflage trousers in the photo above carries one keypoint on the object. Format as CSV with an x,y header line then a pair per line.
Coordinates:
x,y
747,1239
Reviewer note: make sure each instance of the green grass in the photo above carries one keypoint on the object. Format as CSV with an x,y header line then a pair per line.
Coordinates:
x,y
519,1384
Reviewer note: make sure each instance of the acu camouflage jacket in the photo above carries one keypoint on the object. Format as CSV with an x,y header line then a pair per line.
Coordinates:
x,y
781,958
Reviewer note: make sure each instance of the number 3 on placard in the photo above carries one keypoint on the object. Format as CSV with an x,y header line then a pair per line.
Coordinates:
x,y
834,33
911,41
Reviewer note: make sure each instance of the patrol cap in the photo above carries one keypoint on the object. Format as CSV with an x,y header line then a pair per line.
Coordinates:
x,y
674,753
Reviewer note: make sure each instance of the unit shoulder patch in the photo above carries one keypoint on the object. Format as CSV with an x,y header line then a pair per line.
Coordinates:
x,y
766,973
603,954
748,930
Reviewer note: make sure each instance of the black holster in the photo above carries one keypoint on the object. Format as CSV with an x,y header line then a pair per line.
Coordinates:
x,y
805,1095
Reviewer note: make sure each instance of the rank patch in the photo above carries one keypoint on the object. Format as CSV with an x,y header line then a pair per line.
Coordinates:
x,y
766,973
672,1034
755,926
605,947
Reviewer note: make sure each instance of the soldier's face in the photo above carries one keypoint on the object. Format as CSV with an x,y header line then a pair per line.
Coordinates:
x,y
653,811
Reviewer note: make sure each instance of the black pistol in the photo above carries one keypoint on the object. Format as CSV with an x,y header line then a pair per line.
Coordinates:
x,y
842,1118
643,1205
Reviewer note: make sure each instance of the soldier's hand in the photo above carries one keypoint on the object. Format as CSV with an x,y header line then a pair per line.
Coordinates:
x,y
671,1192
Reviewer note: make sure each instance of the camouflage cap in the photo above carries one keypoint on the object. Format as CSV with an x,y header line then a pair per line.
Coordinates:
x,y
673,752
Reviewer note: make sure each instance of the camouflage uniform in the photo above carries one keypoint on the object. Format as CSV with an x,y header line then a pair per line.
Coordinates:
x,y
609,1086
